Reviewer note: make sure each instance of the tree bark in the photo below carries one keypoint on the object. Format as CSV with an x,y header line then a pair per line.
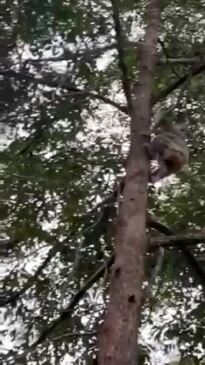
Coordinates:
x,y
119,332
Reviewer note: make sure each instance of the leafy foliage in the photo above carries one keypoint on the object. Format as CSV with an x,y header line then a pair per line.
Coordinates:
x,y
66,149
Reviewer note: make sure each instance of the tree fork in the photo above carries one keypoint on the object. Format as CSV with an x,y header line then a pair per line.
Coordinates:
x,y
119,332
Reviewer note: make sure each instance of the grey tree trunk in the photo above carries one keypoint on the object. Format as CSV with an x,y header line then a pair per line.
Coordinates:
x,y
119,332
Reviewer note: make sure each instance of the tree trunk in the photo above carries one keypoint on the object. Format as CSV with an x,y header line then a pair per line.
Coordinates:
x,y
119,332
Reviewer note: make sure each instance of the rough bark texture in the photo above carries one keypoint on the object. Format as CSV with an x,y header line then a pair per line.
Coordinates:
x,y
119,332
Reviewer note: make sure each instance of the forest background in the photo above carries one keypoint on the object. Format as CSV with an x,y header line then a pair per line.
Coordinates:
x,y
64,141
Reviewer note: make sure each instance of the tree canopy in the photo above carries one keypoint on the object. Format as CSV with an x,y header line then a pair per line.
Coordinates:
x,y
64,138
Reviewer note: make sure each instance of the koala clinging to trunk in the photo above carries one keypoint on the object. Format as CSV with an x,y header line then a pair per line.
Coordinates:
x,y
169,149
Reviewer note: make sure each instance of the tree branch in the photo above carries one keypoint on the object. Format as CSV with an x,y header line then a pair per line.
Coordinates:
x,y
85,54
121,56
179,61
167,57
22,75
47,80
65,314
12,299
175,240
200,274
195,70
171,241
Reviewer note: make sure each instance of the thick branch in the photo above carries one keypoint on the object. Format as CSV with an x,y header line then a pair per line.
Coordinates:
x,y
118,337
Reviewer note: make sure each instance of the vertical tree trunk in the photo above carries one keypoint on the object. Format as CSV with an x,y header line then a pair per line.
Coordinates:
x,y
119,332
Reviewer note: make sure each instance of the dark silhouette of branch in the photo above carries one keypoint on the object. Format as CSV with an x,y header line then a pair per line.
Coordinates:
x,y
74,301
179,61
85,55
43,124
175,241
12,299
59,247
90,54
180,242
167,57
121,56
195,70
197,269
48,81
